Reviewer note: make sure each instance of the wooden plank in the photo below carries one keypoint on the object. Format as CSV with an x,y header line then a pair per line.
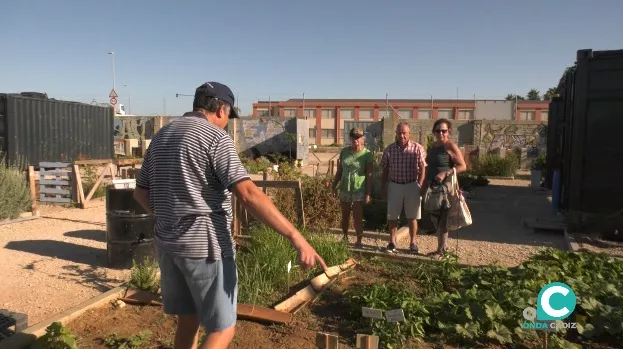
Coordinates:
x,y
33,190
128,162
93,162
54,182
366,341
253,312
278,184
52,199
300,211
327,341
96,185
54,164
43,173
78,181
47,190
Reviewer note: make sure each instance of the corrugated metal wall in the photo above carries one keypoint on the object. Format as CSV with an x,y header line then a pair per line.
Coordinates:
x,y
590,137
37,130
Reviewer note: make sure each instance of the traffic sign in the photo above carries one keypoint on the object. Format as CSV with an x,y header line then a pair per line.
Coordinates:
x,y
113,100
113,94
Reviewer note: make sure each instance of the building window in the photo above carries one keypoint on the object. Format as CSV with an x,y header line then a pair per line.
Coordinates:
x,y
466,114
328,133
385,113
309,113
262,112
444,114
366,114
347,114
405,113
312,133
328,113
424,114
289,113
527,115
544,115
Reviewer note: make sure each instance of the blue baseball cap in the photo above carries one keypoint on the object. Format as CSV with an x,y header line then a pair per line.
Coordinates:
x,y
219,91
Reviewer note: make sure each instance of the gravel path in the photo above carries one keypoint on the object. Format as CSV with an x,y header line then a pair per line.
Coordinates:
x,y
497,235
55,262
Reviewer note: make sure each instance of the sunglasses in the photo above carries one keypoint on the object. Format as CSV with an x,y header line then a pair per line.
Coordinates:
x,y
440,131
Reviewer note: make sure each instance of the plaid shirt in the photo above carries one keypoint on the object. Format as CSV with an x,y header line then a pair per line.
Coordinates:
x,y
404,163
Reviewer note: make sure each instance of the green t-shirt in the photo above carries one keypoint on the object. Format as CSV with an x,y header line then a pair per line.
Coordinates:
x,y
354,169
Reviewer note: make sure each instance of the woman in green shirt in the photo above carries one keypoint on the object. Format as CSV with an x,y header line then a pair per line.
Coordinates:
x,y
354,172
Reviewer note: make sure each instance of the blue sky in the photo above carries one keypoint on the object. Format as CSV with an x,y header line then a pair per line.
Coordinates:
x,y
282,49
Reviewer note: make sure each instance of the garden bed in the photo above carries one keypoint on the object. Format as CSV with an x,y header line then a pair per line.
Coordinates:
x,y
445,306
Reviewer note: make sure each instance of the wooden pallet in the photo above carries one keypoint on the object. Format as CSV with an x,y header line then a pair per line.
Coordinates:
x,y
55,182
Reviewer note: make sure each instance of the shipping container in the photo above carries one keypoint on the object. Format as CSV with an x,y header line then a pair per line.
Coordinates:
x,y
38,129
587,127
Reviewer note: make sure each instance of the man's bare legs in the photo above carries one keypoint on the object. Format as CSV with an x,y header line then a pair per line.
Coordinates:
x,y
187,335
413,230
187,332
393,224
220,339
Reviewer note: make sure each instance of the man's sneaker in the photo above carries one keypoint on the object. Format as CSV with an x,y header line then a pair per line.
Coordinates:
x,y
414,249
391,248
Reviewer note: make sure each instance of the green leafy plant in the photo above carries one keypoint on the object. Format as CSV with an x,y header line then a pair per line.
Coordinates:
x,y
137,341
144,275
479,305
56,337
539,163
496,166
15,197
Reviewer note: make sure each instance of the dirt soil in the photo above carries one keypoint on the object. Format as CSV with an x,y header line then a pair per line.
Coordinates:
x,y
55,262
497,235
329,314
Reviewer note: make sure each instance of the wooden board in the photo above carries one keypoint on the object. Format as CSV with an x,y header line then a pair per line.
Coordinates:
x,y
327,341
253,312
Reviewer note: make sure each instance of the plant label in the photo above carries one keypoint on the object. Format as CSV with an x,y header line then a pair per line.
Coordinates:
x,y
372,313
289,266
395,315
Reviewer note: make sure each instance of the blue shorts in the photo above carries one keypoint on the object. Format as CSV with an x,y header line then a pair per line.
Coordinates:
x,y
201,287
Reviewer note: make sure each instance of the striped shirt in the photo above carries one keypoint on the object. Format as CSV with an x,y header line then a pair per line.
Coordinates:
x,y
403,164
189,167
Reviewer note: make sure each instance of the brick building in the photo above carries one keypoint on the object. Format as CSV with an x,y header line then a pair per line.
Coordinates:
x,y
330,114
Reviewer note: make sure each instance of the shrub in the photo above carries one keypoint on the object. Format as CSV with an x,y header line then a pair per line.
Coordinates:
x,y
322,209
15,197
144,276
494,165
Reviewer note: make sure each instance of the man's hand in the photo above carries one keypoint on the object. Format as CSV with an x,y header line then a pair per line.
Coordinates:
x,y
368,198
307,255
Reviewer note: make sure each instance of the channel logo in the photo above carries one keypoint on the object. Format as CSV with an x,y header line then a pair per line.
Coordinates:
x,y
556,302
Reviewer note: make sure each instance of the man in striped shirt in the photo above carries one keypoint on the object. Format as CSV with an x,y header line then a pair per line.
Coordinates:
x,y
186,180
404,165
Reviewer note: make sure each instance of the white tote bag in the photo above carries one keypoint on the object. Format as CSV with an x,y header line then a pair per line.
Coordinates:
x,y
458,214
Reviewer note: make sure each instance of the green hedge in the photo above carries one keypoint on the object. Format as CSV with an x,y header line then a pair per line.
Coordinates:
x,y
15,197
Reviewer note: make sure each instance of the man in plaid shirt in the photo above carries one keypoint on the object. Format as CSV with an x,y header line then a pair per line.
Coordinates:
x,y
404,165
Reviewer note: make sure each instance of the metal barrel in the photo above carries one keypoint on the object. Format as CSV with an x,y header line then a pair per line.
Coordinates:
x,y
129,229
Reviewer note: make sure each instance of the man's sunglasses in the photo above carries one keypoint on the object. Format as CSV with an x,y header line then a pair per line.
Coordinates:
x,y
440,131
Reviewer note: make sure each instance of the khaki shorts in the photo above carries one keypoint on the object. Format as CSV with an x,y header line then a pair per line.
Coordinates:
x,y
405,196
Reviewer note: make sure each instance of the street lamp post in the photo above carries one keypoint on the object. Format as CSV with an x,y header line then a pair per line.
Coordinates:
x,y
112,53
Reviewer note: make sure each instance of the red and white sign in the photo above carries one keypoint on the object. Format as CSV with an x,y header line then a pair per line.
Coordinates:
x,y
113,101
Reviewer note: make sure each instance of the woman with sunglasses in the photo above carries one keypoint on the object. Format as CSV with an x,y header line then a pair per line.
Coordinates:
x,y
444,158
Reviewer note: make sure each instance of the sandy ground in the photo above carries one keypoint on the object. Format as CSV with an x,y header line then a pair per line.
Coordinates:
x,y
497,235
55,262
